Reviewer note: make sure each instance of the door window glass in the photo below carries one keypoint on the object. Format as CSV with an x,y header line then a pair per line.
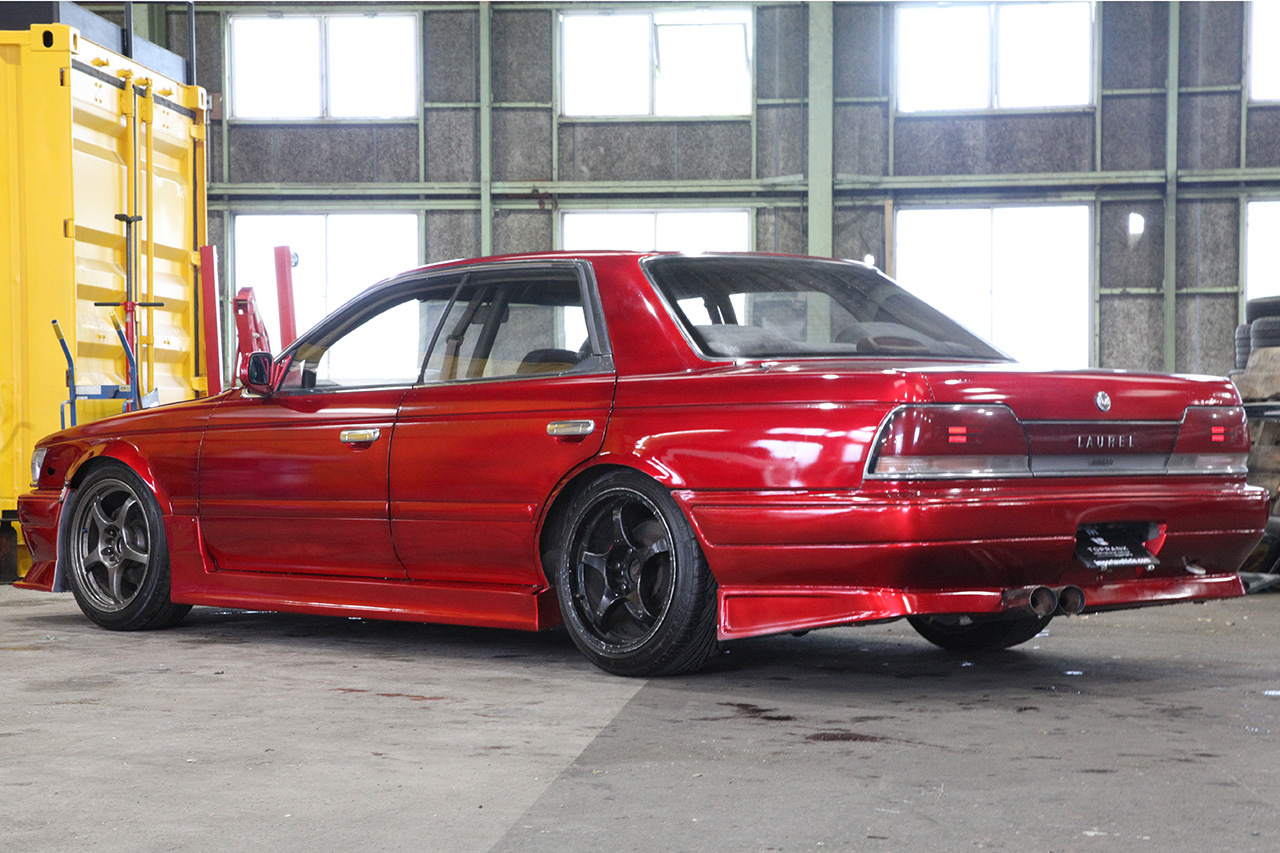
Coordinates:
x,y
379,346
524,327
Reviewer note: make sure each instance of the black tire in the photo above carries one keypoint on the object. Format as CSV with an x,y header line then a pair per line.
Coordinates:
x,y
1244,345
116,552
1264,332
959,634
634,588
1263,306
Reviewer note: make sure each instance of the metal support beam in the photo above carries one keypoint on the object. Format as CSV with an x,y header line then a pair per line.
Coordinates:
x,y
486,129
1171,194
821,129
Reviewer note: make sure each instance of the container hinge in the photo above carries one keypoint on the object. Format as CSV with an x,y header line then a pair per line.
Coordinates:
x,y
68,228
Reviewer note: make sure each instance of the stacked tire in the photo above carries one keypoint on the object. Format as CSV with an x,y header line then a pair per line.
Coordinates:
x,y
1263,306
1264,332
1261,328
1244,345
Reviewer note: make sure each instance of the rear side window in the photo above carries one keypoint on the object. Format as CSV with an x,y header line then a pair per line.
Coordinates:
x,y
739,307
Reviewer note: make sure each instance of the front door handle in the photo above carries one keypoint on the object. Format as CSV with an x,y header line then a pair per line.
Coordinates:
x,y
359,436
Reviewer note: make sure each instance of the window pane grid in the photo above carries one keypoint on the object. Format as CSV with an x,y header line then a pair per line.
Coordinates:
x,y
1262,261
1016,276
324,66
1264,59
678,63
657,230
994,56
338,256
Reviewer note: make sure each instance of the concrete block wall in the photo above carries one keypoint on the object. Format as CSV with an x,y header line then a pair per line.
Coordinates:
x,y
1111,155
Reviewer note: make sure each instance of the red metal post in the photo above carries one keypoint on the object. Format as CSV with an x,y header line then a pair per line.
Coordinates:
x,y
251,332
284,291
212,340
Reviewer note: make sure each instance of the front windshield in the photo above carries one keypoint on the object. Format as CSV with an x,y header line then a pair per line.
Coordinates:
x,y
762,307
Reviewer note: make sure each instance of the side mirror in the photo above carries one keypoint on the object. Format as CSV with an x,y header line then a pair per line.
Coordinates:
x,y
255,373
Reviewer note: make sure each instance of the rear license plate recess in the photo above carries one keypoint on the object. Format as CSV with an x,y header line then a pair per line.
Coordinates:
x,y
1114,546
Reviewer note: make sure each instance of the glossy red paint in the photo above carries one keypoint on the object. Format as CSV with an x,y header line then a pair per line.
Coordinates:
x,y
281,491
439,501
473,465
774,610
960,538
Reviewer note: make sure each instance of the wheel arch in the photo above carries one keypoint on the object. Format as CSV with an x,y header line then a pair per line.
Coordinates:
x,y
91,459
557,506
122,453
125,586
652,608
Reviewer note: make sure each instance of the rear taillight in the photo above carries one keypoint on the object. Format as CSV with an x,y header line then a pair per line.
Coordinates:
x,y
941,442
1211,440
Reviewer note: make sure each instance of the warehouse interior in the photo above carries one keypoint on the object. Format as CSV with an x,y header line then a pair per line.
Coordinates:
x,y
1085,184
821,156
1168,160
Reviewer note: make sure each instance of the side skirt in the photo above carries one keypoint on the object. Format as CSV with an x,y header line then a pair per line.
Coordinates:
x,y
194,581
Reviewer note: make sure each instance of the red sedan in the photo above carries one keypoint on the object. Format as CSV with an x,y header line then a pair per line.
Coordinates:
x,y
662,452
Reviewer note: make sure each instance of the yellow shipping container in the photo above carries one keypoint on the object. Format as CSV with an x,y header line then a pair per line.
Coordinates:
x,y
86,134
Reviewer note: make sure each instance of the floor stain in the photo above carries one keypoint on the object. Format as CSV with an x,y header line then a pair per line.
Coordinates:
x,y
410,696
843,737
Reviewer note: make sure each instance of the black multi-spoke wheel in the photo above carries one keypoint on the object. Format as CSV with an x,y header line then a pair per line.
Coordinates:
x,y
634,588
963,634
115,551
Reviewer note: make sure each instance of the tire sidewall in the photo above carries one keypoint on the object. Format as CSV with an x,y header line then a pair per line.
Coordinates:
x,y
685,605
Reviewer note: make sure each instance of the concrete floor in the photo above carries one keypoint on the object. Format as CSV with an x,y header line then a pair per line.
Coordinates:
x,y
1152,730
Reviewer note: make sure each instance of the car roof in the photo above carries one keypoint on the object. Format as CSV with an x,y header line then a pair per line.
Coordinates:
x,y
619,254
559,255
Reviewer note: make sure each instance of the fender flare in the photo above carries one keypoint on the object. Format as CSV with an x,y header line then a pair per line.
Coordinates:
x,y
114,449
128,455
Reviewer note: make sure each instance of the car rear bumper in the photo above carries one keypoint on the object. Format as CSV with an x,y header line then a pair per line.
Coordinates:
x,y
788,561
755,611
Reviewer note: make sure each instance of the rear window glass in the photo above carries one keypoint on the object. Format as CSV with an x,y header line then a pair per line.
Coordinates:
x,y
739,307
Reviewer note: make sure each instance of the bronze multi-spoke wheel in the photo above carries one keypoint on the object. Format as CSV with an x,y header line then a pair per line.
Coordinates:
x,y
115,551
635,591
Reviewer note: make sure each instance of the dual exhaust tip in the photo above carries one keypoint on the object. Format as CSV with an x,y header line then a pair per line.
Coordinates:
x,y
1045,601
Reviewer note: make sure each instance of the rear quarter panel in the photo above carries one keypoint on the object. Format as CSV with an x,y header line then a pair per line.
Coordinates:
x,y
747,429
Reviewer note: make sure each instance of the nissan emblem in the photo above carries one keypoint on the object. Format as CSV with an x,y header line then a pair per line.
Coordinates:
x,y
1103,399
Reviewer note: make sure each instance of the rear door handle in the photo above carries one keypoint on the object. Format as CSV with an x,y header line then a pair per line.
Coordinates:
x,y
571,428
359,436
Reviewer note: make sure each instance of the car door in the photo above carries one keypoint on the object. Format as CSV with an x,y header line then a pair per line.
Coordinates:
x,y
516,393
296,482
